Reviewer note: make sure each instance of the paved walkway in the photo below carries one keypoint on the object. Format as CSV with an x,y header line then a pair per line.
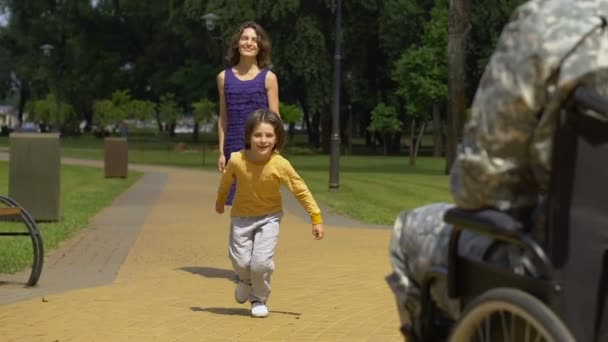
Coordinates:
x,y
154,267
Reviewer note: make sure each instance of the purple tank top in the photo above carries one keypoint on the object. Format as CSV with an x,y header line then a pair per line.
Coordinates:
x,y
242,98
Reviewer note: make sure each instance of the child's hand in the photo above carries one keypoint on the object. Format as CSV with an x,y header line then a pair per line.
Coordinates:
x,y
317,231
219,207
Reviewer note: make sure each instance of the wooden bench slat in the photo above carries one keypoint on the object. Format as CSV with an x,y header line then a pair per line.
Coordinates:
x,y
10,211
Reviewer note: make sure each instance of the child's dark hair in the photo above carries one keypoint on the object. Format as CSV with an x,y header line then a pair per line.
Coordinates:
x,y
264,45
269,117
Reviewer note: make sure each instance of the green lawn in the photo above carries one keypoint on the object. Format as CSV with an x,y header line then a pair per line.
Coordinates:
x,y
84,192
373,188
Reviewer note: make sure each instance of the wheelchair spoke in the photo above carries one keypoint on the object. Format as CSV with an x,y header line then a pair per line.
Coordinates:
x,y
479,334
512,320
503,321
488,328
527,332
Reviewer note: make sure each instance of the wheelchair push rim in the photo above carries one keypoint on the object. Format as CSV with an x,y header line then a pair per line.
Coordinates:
x,y
509,315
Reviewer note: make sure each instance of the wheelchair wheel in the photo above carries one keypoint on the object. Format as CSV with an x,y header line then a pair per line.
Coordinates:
x,y
504,315
12,211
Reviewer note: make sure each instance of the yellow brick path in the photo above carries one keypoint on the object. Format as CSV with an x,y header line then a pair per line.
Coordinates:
x,y
175,283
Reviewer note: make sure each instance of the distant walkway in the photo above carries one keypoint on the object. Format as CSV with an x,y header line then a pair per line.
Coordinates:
x,y
154,267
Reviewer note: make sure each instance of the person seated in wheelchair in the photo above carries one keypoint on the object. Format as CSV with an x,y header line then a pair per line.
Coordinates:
x,y
548,48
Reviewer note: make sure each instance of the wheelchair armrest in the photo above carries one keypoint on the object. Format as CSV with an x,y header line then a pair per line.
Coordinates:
x,y
498,225
485,221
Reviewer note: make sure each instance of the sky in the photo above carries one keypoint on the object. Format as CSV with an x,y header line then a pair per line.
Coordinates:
x,y
4,19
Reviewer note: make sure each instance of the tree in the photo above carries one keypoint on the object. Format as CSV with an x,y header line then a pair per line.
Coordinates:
x,y
488,17
307,58
168,112
104,114
458,34
204,112
141,110
44,111
421,75
290,115
112,112
385,121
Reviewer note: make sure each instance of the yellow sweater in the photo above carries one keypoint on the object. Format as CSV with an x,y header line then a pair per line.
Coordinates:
x,y
258,186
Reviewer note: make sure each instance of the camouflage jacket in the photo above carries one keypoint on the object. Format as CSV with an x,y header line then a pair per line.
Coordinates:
x,y
546,50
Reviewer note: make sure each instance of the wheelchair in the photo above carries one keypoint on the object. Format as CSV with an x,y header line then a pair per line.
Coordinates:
x,y
566,298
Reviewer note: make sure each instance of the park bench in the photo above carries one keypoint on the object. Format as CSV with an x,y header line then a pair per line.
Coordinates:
x,y
13,212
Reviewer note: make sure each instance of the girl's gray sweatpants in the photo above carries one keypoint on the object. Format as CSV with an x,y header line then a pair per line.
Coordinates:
x,y
252,244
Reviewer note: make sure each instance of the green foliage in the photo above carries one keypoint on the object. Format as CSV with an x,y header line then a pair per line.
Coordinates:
x,y
385,119
122,99
204,110
45,111
120,107
421,72
171,51
194,80
113,111
106,113
307,57
233,13
168,109
142,110
488,18
277,10
399,24
290,113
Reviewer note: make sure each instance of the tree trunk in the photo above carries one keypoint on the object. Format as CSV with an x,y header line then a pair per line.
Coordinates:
x,y
325,133
412,141
437,136
417,144
292,132
316,136
395,146
24,96
386,141
308,125
195,132
349,131
171,129
458,32
161,128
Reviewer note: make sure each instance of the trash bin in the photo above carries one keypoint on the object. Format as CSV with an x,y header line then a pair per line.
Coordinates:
x,y
34,173
116,157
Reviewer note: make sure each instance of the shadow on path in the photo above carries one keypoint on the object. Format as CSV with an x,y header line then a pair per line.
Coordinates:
x,y
238,311
210,272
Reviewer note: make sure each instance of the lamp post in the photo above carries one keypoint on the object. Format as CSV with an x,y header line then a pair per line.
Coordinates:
x,y
334,162
46,51
211,19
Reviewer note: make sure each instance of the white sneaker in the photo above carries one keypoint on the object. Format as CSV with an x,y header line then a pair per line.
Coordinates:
x,y
259,310
241,292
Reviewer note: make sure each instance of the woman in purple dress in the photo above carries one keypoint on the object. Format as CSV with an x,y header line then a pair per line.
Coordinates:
x,y
247,85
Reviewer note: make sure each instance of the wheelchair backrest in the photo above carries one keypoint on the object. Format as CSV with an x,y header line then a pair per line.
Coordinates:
x,y
577,213
579,177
